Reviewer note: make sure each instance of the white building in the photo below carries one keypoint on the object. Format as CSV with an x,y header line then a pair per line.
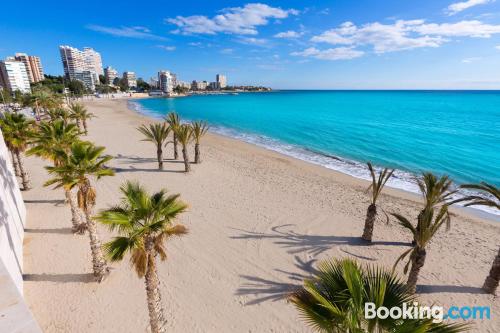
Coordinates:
x,y
93,61
111,74
199,85
221,81
14,76
85,66
166,81
131,79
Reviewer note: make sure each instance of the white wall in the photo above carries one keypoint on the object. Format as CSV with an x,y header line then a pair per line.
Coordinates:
x,y
12,219
15,316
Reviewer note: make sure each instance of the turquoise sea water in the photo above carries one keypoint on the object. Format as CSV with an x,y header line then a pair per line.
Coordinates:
x,y
447,132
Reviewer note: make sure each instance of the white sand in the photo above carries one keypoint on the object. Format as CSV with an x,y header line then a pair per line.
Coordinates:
x,y
258,221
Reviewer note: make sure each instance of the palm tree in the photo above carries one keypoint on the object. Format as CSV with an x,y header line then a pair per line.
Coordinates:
x,y
376,187
199,128
157,134
48,141
59,113
17,132
84,161
7,140
144,222
429,223
173,120
493,200
43,99
334,300
184,135
80,114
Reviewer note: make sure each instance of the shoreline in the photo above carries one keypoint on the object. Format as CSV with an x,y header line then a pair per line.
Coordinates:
x,y
259,222
415,196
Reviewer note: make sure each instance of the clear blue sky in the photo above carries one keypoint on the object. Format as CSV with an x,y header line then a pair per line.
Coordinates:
x,y
344,44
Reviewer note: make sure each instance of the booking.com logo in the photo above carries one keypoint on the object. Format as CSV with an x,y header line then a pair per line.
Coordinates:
x,y
436,313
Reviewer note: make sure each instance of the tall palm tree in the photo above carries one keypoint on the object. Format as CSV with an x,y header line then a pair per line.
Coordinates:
x,y
7,140
47,142
334,300
493,200
59,113
79,113
199,129
184,135
173,120
156,133
43,99
17,131
144,222
376,187
84,161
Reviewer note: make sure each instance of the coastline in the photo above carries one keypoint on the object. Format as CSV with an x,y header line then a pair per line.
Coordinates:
x,y
259,222
399,183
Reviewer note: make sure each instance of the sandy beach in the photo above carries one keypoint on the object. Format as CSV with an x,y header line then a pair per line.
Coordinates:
x,y
259,221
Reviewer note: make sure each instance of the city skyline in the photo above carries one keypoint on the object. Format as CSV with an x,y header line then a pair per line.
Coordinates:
x,y
333,45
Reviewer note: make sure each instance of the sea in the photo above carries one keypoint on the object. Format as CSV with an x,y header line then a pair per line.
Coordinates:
x,y
454,133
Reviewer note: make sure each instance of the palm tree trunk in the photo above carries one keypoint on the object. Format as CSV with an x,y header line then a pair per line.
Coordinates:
x,y
197,153
491,282
176,153
371,215
85,126
99,264
417,262
159,156
187,166
156,318
78,124
78,226
15,164
24,175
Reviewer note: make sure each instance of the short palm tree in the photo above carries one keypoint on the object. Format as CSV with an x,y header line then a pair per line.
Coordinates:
x,y
493,200
334,299
84,161
173,120
49,139
184,135
144,222
156,133
376,187
199,129
79,113
430,220
17,130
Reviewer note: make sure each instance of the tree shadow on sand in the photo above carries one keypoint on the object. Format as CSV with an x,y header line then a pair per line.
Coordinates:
x,y
137,160
61,231
55,202
434,289
132,169
60,278
311,244
269,290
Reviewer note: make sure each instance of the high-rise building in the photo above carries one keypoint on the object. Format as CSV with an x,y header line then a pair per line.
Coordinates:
x,y
131,79
221,81
92,60
85,66
14,76
154,83
33,66
111,74
199,85
166,81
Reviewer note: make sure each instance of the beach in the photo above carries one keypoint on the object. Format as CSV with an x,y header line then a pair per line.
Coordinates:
x,y
258,223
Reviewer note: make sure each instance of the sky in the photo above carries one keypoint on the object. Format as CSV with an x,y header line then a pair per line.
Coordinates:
x,y
324,44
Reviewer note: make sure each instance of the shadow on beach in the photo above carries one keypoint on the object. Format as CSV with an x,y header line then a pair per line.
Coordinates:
x,y
269,290
62,231
311,244
60,278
